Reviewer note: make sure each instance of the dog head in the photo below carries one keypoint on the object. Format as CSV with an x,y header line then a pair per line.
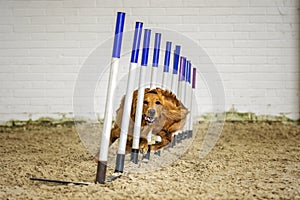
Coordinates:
x,y
153,106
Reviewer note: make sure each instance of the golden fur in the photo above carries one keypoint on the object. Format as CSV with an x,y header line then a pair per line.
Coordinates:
x,y
170,116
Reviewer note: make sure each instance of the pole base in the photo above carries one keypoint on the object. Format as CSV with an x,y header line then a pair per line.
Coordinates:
x,y
120,163
101,172
135,156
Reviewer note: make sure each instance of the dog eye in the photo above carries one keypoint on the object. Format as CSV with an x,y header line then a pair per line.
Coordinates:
x,y
157,103
146,102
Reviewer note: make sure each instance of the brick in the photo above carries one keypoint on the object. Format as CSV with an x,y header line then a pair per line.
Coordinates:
x,y
47,20
149,11
29,12
215,27
46,101
6,12
155,20
13,52
76,52
95,11
58,93
29,28
63,44
250,59
62,61
61,11
44,52
29,76
263,3
30,108
60,76
248,11
15,20
167,3
6,28
249,27
266,35
48,36
46,4
62,28
198,19
250,43
61,108
231,19
80,20
183,27
182,12
232,35
96,28
79,3
28,93
14,37
80,36
108,4
215,11
136,4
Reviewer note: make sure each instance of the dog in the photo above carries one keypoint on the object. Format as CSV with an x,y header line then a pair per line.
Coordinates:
x,y
163,114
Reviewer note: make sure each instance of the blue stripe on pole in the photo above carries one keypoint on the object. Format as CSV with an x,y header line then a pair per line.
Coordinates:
x,y
176,59
187,71
190,72
167,56
156,49
184,70
136,42
147,35
118,35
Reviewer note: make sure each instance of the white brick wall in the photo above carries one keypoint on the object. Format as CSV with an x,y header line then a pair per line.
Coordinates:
x,y
253,43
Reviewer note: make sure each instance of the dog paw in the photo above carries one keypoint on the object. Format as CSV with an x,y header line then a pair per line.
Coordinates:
x,y
143,147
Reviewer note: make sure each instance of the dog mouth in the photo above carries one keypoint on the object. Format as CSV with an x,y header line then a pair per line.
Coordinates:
x,y
149,120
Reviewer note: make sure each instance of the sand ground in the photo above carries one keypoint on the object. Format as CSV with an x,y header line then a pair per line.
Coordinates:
x,y
250,161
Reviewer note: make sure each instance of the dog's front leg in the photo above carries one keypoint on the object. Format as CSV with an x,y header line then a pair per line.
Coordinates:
x,y
166,138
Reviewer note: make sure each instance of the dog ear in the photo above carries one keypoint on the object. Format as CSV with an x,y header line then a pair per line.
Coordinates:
x,y
160,95
133,105
147,90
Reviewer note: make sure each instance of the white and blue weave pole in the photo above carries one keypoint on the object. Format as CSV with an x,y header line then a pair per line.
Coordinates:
x,y
174,83
153,84
187,95
166,64
181,78
128,98
165,81
140,98
181,88
108,115
155,62
194,75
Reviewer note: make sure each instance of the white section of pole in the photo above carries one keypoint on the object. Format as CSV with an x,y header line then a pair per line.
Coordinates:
x,y
139,108
108,115
127,108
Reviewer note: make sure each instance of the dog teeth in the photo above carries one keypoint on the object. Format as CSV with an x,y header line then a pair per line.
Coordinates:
x,y
149,119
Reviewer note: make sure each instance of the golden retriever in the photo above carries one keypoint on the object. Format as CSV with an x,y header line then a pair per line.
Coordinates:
x,y
163,114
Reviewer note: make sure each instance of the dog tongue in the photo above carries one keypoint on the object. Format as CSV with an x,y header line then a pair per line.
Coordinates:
x,y
149,119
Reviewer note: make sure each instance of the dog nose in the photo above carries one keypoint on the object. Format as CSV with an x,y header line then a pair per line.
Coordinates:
x,y
151,112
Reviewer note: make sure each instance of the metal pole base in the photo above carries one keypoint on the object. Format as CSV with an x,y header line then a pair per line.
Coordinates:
x,y
135,156
101,172
120,163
